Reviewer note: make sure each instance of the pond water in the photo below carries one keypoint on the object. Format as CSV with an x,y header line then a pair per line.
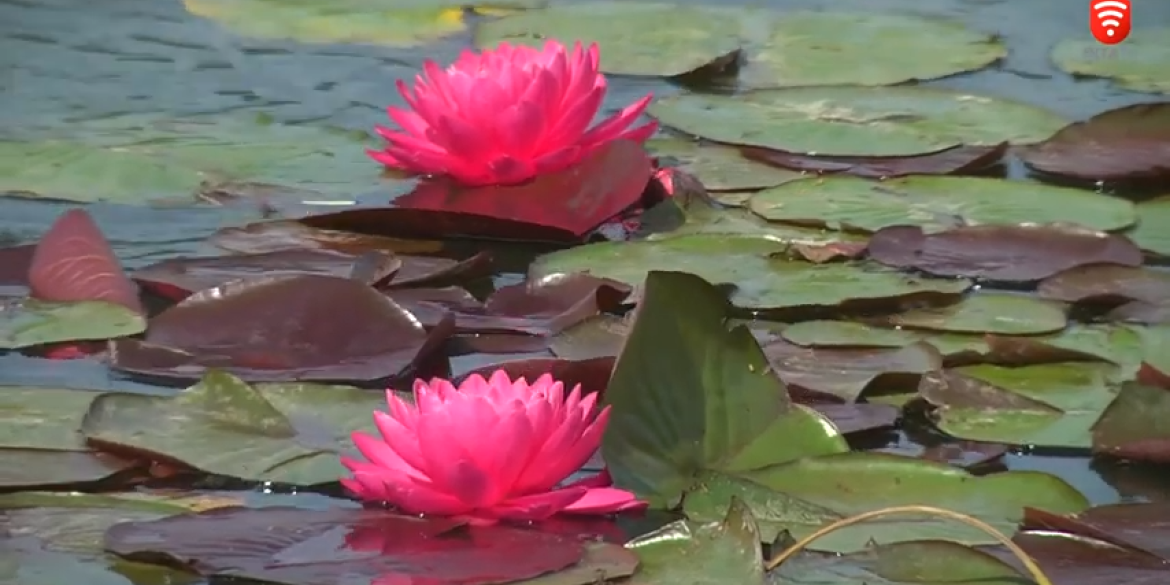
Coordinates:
x,y
64,61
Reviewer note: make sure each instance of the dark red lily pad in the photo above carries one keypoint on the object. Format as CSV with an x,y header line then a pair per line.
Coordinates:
x,y
433,271
74,262
954,160
291,327
1072,560
1107,284
178,278
1134,426
291,234
1128,143
314,547
1010,253
843,374
14,264
1141,312
562,207
591,374
1143,527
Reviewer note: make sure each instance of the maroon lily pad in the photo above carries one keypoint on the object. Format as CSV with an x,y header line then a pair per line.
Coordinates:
x,y
843,374
1128,143
290,327
1141,312
291,234
74,262
1010,253
1141,527
432,271
14,264
562,207
178,278
954,160
327,547
1107,284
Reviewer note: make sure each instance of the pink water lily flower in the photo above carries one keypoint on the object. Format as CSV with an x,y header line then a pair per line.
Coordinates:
x,y
487,451
504,116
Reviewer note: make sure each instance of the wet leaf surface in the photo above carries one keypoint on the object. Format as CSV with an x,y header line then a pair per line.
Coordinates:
x,y
1009,253
290,234
303,547
1130,143
936,203
29,322
988,312
40,443
845,373
1134,426
292,327
718,167
288,433
954,160
74,262
176,279
695,552
1107,284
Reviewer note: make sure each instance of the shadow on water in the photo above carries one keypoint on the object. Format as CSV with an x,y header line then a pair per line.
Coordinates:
x,y
63,61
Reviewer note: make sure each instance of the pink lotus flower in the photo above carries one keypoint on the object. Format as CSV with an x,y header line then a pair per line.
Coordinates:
x,y
505,116
487,451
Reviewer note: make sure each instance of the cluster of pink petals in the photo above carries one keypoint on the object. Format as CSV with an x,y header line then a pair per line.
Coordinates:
x,y
505,116
487,451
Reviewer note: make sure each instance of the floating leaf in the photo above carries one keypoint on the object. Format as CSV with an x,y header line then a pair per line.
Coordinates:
x,y
937,203
1136,426
901,563
762,280
856,121
283,328
636,38
28,322
1049,405
689,552
40,444
290,234
1152,232
1107,284
289,433
956,160
719,167
988,312
1129,143
74,262
1138,66
1012,253
845,373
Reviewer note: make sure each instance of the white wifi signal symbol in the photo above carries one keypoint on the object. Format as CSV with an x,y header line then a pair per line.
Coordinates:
x,y
1109,18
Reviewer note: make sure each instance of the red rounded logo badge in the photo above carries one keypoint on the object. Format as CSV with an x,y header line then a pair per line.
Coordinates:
x,y
1109,20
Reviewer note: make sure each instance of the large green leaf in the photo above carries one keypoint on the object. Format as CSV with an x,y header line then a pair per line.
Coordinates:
x,y
763,278
718,167
289,433
690,553
133,159
988,312
395,23
1152,232
936,203
860,121
689,394
636,38
804,495
1048,405
29,322
1142,63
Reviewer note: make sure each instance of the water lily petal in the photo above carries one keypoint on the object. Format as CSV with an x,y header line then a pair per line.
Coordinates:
x,y
537,506
613,126
607,500
450,467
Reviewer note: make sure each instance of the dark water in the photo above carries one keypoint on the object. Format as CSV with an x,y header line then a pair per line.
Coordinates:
x,y
62,61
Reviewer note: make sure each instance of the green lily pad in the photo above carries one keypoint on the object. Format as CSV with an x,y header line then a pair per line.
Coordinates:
x,y
40,444
394,23
804,495
689,394
935,203
1152,232
1142,63
763,281
1155,343
825,333
29,322
134,159
856,121
689,552
636,38
718,167
988,312
287,433
901,563
1051,405
864,48
700,215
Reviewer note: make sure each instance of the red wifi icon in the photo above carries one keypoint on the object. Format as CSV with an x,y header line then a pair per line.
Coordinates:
x,y
1109,20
